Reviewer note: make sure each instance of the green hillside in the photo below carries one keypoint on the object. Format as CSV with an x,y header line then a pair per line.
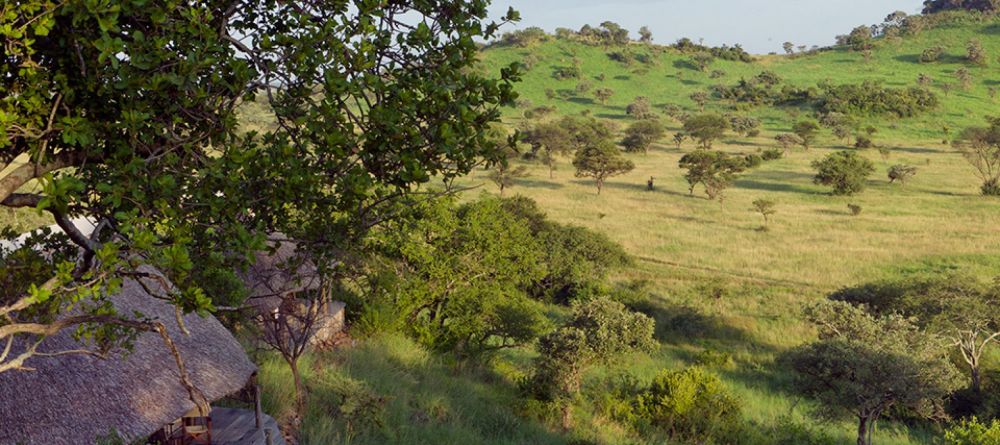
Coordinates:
x,y
670,78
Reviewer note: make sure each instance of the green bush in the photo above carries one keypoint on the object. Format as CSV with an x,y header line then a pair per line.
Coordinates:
x,y
688,405
973,432
871,98
932,54
845,171
772,154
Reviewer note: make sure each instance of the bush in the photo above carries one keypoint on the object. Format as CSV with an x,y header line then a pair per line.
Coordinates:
x,y
640,135
688,405
577,259
845,171
973,432
863,142
567,72
901,173
772,154
639,109
871,98
855,209
753,160
706,128
931,55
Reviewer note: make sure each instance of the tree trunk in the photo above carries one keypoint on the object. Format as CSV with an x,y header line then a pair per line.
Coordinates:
x,y
600,185
863,431
976,378
567,416
300,391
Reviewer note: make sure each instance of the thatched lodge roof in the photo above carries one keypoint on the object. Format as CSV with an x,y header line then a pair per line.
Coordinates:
x,y
279,272
73,399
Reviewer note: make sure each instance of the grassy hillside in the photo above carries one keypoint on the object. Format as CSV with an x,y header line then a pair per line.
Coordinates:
x,y
670,78
721,286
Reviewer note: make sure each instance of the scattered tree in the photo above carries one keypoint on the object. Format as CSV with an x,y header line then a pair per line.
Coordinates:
x,y
702,60
706,128
981,147
639,109
806,131
787,140
603,94
640,135
700,98
964,77
765,208
845,171
975,53
714,170
601,160
645,35
789,48
867,365
901,173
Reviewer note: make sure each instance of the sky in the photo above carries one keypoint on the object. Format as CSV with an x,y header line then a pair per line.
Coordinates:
x,y
761,26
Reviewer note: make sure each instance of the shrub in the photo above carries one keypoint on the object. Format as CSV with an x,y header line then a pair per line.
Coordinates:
x,y
688,405
639,109
706,128
931,55
973,432
577,259
855,209
772,154
567,72
806,131
745,125
845,171
863,142
901,173
871,98
975,53
640,135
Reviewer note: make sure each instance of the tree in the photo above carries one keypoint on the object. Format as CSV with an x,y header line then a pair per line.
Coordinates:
x,y
866,365
860,38
601,160
639,109
552,140
585,131
787,140
504,174
901,173
745,126
981,147
603,94
706,128
714,170
765,208
125,112
598,332
975,53
806,131
964,77
700,98
645,35
702,60
640,135
789,48
845,171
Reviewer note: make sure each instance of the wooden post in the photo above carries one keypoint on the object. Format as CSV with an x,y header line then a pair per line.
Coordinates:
x,y
267,437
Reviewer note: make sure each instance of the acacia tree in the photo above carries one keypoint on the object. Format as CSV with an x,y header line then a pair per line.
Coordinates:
x,y
806,131
865,365
551,140
981,147
124,112
714,170
640,135
601,160
603,94
706,128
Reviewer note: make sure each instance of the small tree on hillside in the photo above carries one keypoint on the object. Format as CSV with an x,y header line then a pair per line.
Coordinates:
x,y
975,53
702,60
603,94
599,331
547,141
504,173
865,366
981,147
714,170
765,208
806,131
786,140
964,77
845,171
645,35
789,48
700,98
601,160
639,109
640,135
860,38
901,173
706,128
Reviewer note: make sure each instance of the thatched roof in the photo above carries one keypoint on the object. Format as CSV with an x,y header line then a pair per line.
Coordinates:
x,y
281,272
73,399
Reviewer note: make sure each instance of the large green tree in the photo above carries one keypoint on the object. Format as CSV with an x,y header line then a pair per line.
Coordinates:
x,y
125,112
601,160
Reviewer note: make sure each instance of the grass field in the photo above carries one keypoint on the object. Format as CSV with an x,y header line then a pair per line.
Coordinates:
x,y
719,282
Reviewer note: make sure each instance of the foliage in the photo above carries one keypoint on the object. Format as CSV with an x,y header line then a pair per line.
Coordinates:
x,y
603,94
765,208
706,128
934,6
639,108
981,147
806,131
601,160
125,112
845,171
901,173
787,140
691,405
745,125
772,154
855,209
734,53
714,170
973,432
577,261
599,331
870,98
567,72
975,53
585,131
865,365
504,173
550,139
640,135
524,38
